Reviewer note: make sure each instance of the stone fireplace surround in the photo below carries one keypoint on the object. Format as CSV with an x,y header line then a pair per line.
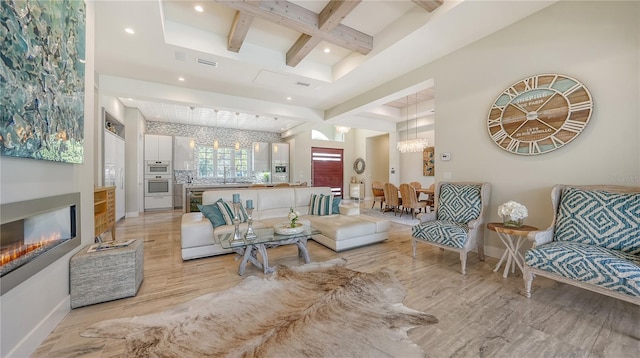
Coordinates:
x,y
20,210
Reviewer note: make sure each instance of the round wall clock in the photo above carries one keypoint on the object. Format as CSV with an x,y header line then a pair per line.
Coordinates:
x,y
539,114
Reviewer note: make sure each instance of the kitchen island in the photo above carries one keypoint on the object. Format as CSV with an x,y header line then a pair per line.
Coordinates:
x,y
193,192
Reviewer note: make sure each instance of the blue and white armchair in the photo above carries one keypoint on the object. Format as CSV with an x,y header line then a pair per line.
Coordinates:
x,y
458,221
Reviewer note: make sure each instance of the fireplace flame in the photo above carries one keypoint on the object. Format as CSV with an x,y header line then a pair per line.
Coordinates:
x,y
12,253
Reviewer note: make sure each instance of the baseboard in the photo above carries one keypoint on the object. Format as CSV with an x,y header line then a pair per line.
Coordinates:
x,y
38,334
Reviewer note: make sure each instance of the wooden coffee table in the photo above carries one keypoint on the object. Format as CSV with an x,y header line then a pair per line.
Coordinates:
x,y
266,239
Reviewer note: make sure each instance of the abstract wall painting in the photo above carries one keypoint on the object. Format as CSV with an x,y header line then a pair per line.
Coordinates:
x,y
428,162
42,55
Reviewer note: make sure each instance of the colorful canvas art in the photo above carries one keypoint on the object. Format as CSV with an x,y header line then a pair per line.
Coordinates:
x,y
428,162
42,55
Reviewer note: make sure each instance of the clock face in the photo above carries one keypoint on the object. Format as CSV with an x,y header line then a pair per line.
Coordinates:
x,y
539,114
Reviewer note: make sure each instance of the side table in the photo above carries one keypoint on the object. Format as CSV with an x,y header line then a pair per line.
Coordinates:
x,y
512,238
105,275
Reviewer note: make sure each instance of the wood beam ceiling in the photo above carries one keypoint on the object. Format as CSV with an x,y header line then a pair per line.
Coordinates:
x,y
314,28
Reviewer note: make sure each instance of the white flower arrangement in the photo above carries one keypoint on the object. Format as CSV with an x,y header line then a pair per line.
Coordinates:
x,y
512,213
293,216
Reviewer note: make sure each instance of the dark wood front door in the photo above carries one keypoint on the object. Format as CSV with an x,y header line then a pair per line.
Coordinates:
x,y
327,167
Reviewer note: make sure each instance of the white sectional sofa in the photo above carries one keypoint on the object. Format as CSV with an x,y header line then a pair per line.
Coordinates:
x,y
338,232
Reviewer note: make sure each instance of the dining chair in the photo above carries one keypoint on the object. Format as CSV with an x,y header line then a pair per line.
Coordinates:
x,y
458,222
391,197
378,194
430,197
416,184
410,200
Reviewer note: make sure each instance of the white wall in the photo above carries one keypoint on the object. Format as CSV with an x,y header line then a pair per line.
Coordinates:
x,y
595,42
31,310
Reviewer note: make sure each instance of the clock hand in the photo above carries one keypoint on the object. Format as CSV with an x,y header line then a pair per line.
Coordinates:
x,y
545,102
519,107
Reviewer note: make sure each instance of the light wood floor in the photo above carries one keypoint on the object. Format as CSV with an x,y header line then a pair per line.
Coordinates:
x,y
481,314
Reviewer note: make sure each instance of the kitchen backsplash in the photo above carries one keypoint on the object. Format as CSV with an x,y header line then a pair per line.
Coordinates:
x,y
206,135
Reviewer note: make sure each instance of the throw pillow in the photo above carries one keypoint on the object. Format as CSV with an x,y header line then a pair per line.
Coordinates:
x,y
335,207
226,208
320,204
212,213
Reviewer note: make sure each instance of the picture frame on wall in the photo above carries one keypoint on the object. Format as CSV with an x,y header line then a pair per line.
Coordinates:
x,y
428,161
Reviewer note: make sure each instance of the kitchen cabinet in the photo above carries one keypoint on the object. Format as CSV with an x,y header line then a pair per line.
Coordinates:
x,y
158,147
261,162
178,192
183,148
114,169
279,153
158,202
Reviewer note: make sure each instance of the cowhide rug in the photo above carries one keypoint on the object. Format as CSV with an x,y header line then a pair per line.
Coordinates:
x,y
318,309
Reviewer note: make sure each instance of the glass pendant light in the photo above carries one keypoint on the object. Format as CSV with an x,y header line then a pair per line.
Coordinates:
x,y
215,141
413,145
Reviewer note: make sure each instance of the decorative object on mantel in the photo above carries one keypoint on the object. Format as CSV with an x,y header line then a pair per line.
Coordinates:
x,y
412,145
42,86
539,114
512,213
429,162
283,315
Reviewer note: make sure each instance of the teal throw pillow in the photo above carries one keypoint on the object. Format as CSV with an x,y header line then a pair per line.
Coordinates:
x,y
212,213
335,207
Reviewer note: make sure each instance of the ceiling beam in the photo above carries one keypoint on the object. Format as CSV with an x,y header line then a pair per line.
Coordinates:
x,y
239,29
299,19
428,5
328,19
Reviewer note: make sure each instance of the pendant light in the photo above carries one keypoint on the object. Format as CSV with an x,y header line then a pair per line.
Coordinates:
x,y
215,141
237,128
413,145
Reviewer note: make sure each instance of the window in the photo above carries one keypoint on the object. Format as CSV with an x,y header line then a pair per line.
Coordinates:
x,y
223,163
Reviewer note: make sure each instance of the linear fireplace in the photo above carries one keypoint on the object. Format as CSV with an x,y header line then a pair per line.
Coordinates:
x,y
36,233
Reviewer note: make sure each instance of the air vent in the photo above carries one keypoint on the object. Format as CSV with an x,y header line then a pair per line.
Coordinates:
x,y
304,84
207,62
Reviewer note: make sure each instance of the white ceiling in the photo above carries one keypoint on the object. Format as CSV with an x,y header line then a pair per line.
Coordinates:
x,y
143,69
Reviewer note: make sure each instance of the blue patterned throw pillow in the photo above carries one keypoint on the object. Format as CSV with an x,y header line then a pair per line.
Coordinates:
x,y
226,208
596,217
321,204
459,202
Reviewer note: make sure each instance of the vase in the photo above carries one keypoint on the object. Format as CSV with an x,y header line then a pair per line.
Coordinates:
x,y
507,221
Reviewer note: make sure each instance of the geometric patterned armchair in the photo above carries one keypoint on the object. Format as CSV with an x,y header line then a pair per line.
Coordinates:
x,y
458,221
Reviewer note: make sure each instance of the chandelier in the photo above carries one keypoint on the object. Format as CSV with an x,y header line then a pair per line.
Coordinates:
x,y
412,145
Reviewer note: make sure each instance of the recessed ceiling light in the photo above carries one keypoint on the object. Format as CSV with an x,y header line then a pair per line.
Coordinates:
x,y
129,31
327,50
289,98
181,79
199,8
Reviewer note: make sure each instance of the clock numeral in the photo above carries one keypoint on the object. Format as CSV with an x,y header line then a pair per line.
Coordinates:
x,y
534,148
493,122
511,92
572,89
513,145
530,83
573,126
553,81
499,136
500,108
557,143
573,107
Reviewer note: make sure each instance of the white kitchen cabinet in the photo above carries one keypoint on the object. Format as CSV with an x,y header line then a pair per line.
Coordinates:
x,y
158,202
261,161
158,147
183,148
279,153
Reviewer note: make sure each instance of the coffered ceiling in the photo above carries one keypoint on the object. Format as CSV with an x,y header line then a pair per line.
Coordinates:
x,y
303,62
